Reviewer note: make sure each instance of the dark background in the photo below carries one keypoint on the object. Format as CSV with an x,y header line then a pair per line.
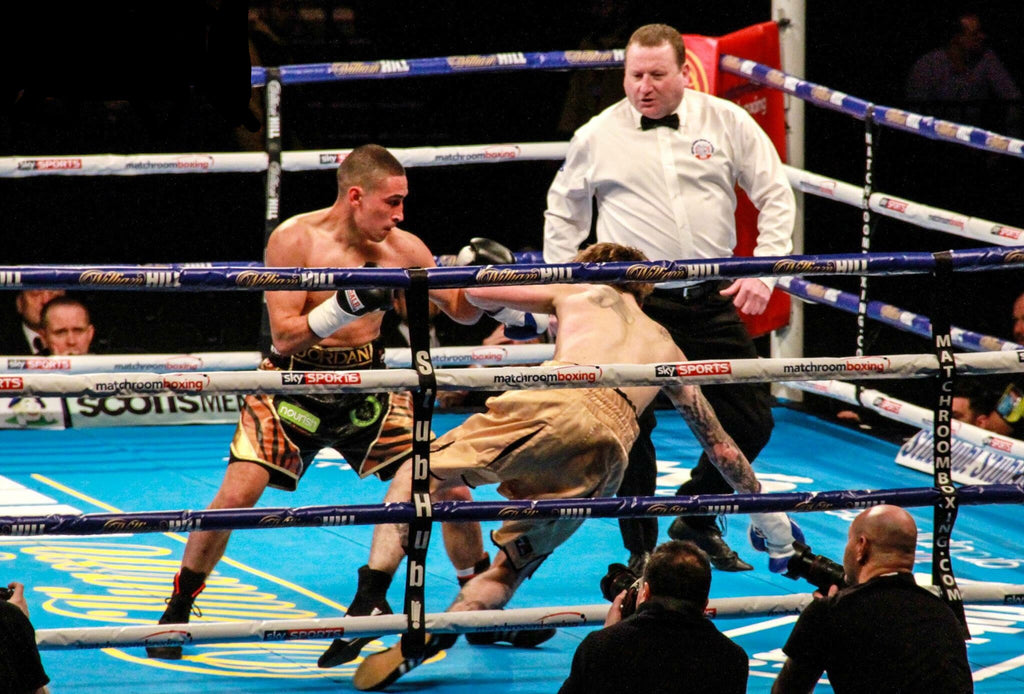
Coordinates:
x,y
125,77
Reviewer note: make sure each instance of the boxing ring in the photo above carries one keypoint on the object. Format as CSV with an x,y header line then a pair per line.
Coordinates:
x,y
78,525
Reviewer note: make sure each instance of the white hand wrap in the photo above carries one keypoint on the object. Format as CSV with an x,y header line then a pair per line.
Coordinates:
x,y
537,322
325,319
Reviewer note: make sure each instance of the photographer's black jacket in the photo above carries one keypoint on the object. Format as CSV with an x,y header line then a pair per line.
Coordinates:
x,y
658,650
20,667
884,635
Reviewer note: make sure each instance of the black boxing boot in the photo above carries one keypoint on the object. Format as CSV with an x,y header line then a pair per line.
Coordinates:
x,y
187,585
370,600
702,531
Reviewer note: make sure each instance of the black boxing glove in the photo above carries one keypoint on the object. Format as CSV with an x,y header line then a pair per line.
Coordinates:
x,y
481,251
347,305
519,325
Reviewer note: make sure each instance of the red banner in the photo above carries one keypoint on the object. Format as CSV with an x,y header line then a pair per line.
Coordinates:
x,y
760,43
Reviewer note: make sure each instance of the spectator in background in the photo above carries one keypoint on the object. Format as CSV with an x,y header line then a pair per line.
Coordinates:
x,y
972,401
667,644
965,81
986,406
21,670
26,336
67,328
883,633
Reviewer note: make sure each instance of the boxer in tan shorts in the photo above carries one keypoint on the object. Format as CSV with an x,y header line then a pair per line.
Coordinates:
x,y
540,444
564,443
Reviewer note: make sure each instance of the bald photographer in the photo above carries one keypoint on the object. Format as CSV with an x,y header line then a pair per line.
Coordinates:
x,y
667,640
881,633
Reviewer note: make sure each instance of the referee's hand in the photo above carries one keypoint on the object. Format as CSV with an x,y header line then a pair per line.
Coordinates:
x,y
750,295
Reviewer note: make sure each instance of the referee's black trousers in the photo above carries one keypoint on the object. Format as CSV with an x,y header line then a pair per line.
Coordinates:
x,y
705,325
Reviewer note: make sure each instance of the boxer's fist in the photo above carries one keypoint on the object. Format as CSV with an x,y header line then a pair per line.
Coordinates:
x,y
481,251
358,302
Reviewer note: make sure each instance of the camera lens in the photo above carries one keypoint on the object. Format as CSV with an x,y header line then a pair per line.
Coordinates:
x,y
618,579
819,571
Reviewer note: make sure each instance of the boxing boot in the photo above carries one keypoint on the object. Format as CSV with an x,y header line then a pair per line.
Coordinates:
x,y
187,585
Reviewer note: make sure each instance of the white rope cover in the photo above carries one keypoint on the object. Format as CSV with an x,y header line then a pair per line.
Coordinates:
x,y
440,622
511,378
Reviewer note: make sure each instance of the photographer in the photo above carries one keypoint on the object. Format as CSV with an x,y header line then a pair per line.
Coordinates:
x,y
21,671
883,633
668,644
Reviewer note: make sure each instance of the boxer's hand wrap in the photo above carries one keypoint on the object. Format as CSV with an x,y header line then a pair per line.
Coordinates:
x,y
344,307
520,325
481,251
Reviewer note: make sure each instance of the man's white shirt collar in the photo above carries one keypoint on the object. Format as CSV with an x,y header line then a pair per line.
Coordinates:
x,y
636,115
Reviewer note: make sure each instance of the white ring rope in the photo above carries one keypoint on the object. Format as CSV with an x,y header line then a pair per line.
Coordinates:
x,y
908,413
256,162
394,357
915,213
877,401
441,622
512,378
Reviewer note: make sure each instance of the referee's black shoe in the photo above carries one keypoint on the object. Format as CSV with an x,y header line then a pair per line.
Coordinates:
x,y
708,538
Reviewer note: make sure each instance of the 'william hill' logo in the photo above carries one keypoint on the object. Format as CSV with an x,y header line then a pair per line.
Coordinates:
x,y
793,266
656,273
253,278
532,276
111,278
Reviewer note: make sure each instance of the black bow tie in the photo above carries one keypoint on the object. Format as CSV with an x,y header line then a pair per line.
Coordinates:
x,y
669,121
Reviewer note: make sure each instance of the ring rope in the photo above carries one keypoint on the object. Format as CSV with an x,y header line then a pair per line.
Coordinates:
x,y
758,73
916,213
248,278
465,511
511,378
877,401
887,116
891,315
907,413
394,357
518,619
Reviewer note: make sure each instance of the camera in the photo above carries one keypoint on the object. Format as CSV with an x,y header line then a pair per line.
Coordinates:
x,y
6,593
819,571
620,578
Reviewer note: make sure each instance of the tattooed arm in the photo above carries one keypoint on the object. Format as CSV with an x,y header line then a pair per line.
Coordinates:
x,y
690,402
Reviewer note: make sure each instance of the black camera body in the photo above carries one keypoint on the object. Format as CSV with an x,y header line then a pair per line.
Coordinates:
x,y
819,571
620,578
6,593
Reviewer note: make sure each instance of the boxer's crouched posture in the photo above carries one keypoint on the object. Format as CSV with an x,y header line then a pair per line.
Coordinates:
x,y
565,443
277,437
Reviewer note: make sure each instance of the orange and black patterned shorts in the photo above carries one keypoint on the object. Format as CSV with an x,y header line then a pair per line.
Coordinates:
x,y
283,433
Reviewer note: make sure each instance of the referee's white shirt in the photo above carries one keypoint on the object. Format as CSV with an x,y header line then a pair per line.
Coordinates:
x,y
669,193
